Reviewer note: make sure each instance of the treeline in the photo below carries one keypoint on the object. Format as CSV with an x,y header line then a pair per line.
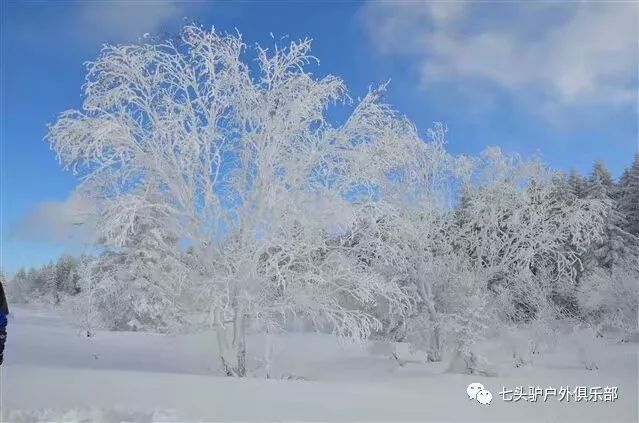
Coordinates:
x,y
125,295
48,283
622,197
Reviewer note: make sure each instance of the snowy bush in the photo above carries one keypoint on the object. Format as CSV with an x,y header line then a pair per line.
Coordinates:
x,y
609,299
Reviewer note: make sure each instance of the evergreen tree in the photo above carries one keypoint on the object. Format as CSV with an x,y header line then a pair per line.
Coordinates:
x,y
618,245
600,171
566,192
34,280
600,184
48,276
629,201
66,275
561,185
19,286
577,184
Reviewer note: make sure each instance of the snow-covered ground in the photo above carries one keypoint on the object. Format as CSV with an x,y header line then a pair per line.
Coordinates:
x,y
51,373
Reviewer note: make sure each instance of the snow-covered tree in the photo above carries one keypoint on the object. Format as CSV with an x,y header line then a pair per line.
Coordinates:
x,y
48,283
48,277
226,199
66,276
242,164
618,244
403,233
516,228
525,237
577,184
19,288
140,286
629,200
609,298
84,306
600,183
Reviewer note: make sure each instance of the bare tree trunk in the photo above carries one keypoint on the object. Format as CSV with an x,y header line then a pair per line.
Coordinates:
x,y
435,347
239,342
233,356
223,345
435,350
268,352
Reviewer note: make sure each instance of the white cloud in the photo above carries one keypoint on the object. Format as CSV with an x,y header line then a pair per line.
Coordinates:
x,y
572,53
119,21
68,221
443,12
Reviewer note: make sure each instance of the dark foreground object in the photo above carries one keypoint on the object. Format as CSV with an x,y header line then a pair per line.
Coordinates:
x,y
3,337
4,311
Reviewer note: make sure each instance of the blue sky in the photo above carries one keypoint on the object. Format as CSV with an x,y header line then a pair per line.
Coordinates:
x,y
555,78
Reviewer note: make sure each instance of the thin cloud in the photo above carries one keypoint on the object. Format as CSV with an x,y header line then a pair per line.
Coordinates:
x,y
68,221
571,54
122,21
